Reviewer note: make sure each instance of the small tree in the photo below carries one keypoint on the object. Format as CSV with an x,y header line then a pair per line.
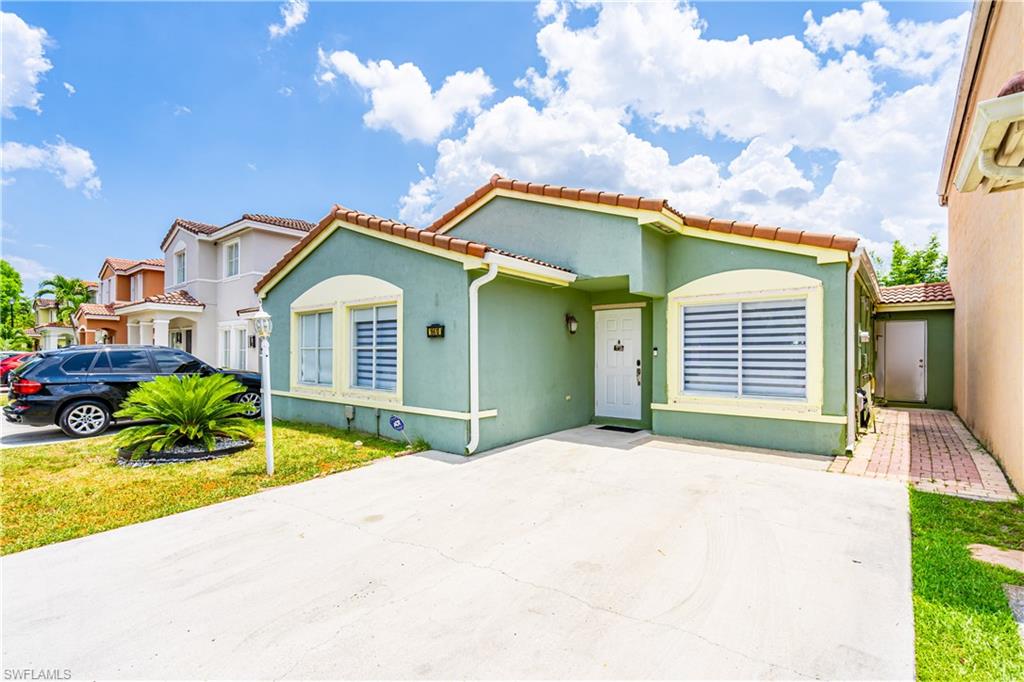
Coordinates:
x,y
15,309
69,293
916,267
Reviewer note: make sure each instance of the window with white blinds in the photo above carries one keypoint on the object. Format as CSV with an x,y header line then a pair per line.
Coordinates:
x,y
375,348
316,349
750,349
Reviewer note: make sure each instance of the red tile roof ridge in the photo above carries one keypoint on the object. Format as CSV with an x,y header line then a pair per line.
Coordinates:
x,y
828,241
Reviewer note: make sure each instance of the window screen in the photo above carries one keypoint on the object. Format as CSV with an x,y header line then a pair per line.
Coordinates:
x,y
316,349
748,349
375,348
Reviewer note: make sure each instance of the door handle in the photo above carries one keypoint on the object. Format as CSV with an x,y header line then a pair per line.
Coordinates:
x,y
638,373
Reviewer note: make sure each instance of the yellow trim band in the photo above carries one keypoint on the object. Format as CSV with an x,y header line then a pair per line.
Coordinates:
x,y
914,307
396,407
751,411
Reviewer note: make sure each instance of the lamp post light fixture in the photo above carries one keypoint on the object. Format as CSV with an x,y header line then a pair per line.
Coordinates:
x,y
264,325
570,323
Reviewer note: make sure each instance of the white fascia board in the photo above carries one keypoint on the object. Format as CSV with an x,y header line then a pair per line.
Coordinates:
x,y
241,225
511,264
991,119
160,307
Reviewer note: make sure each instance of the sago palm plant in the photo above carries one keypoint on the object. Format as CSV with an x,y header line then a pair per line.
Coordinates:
x,y
188,410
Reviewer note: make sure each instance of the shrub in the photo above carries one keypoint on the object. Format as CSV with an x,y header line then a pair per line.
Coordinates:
x,y
188,410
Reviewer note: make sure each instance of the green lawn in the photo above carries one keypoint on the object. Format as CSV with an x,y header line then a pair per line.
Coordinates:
x,y
963,625
58,492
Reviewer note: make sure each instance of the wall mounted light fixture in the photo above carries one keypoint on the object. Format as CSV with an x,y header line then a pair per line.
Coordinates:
x,y
571,324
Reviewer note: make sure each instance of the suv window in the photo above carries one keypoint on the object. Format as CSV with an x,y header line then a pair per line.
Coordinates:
x,y
129,361
175,362
79,362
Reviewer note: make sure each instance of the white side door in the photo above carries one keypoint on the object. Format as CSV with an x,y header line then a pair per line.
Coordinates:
x,y
617,373
906,360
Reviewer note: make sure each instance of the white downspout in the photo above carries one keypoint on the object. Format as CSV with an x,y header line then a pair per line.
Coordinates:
x,y
851,350
474,356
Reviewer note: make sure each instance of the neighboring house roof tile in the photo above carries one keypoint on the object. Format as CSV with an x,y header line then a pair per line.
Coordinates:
x,y
95,309
89,284
46,303
122,264
831,241
291,223
933,292
207,229
51,324
176,297
385,226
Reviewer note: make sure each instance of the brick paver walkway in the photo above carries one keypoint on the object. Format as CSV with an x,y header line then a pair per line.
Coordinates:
x,y
931,449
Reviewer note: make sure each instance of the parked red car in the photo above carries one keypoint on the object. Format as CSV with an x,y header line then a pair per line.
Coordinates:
x,y
9,363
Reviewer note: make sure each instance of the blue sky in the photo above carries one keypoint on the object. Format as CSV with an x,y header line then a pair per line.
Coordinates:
x,y
194,110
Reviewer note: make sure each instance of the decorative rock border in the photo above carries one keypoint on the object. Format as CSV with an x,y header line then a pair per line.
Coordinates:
x,y
184,453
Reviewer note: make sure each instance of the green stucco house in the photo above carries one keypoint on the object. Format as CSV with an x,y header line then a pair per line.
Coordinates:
x,y
530,308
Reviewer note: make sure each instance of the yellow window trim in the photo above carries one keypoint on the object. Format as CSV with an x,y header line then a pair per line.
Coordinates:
x,y
749,411
397,407
340,295
735,286
658,219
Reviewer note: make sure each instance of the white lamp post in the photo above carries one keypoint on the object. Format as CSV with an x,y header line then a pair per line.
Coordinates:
x,y
264,325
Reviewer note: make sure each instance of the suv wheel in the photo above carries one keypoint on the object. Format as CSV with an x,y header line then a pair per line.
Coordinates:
x,y
86,418
253,403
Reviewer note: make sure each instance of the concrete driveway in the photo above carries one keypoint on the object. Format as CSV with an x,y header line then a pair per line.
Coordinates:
x,y
21,435
586,554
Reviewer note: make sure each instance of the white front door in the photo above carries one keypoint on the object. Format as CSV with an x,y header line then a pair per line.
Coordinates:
x,y
905,360
617,362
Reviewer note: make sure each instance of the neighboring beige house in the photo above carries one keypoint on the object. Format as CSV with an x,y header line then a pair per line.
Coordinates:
x,y
208,300
982,183
49,332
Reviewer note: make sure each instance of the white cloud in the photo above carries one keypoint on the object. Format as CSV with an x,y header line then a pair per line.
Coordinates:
x,y
636,67
285,91
401,97
70,88
181,110
24,63
920,49
32,272
293,15
72,165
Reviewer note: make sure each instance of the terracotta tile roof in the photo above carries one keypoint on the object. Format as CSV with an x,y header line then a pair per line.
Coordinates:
x,y
194,226
291,223
831,241
89,284
122,264
95,309
396,229
46,302
176,297
1012,86
933,292
51,324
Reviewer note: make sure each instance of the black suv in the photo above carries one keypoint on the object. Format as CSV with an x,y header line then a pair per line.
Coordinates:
x,y
79,388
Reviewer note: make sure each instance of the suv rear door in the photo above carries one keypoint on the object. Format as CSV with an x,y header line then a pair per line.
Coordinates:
x,y
121,370
172,361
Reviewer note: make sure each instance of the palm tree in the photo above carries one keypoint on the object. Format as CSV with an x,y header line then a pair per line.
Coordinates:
x,y
69,294
15,339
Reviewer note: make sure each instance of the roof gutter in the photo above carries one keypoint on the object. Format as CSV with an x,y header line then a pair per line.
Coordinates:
x,y
851,349
474,355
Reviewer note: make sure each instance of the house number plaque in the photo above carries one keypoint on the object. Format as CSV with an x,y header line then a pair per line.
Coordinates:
x,y
435,331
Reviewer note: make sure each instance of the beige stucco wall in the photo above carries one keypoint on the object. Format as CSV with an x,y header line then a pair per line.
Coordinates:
x,y
986,270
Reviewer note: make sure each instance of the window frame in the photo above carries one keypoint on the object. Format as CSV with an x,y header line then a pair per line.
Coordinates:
x,y
235,244
354,347
317,349
734,286
180,271
742,390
